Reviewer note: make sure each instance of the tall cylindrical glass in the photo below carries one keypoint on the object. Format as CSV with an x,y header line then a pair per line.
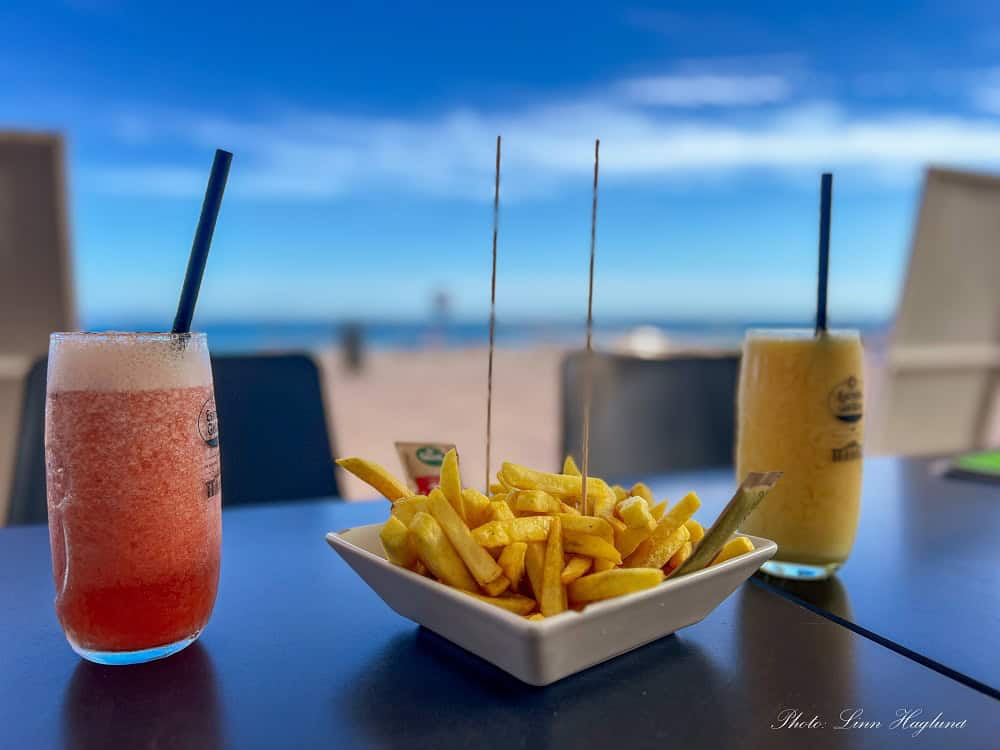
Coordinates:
x,y
134,498
800,411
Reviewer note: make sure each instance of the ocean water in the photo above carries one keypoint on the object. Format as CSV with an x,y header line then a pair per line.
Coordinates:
x,y
262,335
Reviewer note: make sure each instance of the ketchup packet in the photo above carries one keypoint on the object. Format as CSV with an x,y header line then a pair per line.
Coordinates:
x,y
422,464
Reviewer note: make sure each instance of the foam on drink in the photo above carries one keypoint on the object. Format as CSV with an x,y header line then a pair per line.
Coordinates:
x,y
127,362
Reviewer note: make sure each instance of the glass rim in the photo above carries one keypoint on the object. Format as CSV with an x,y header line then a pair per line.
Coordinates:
x,y
801,332
126,335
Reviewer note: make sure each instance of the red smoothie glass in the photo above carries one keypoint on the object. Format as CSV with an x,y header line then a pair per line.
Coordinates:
x,y
134,496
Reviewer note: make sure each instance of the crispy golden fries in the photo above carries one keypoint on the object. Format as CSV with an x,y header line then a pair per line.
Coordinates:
x,y
553,599
483,567
576,567
376,476
612,583
531,548
477,507
591,546
678,558
534,501
436,552
696,529
397,542
734,548
634,513
407,507
534,565
451,483
519,605
641,490
511,561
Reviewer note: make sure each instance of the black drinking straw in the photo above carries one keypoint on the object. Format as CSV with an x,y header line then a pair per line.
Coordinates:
x,y
202,241
825,196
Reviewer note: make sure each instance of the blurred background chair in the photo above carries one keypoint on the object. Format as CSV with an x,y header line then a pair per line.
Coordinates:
x,y
274,441
36,290
942,366
652,415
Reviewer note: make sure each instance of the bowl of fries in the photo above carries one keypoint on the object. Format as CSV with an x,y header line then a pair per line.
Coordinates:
x,y
538,583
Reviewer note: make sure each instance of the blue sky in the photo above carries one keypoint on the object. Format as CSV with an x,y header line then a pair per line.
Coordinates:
x,y
363,137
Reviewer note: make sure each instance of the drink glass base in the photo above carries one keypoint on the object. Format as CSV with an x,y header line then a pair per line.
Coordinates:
x,y
799,571
119,658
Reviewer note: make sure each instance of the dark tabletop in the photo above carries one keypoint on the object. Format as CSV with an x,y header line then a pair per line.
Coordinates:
x,y
924,576
300,653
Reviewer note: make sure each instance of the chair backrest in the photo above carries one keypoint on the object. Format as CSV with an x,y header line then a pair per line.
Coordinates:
x,y
942,367
36,286
274,441
272,429
652,415
27,494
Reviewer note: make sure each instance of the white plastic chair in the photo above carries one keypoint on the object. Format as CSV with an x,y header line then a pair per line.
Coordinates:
x,y
943,360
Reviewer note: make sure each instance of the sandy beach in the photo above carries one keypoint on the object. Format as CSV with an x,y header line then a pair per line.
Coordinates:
x,y
440,396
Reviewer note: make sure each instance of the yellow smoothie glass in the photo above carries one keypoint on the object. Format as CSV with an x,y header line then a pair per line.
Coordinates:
x,y
800,411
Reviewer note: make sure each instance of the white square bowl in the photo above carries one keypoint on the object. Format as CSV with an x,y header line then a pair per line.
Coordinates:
x,y
542,652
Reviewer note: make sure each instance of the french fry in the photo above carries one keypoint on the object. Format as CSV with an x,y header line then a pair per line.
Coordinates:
x,y
569,509
483,567
407,507
451,483
497,586
502,533
654,552
511,561
534,501
557,485
534,566
696,529
678,558
576,567
602,565
570,467
591,546
634,513
519,605
496,488
419,568
616,523
500,510
665,541
535,617
620,492
398,545
612,583
587,525
477,507
553,600
734,548
436,552
603,503
375,476
641,490
627,541
491,534
657,511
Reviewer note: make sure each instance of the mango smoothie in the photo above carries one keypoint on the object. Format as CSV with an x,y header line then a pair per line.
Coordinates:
x,y
800,411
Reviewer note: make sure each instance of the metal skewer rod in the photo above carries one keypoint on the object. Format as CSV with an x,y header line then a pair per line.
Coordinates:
x,y
493,320
588,366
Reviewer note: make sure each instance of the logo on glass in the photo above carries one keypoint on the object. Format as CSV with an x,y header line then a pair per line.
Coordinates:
x,y
208,423
845,400
430,455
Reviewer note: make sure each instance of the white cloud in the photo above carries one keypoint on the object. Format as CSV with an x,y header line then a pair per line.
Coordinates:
x,y
986,91
316,155
707,90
